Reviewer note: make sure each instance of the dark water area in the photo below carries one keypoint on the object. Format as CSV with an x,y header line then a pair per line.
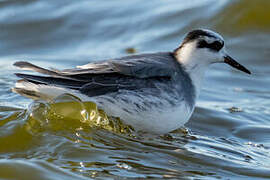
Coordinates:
x,y
228,134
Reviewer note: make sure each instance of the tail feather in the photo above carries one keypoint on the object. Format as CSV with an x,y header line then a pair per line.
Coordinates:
x,y
55,81
45,87
38,91
28,66
21,89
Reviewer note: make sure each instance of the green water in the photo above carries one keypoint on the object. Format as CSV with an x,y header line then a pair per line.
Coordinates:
x,y
228,134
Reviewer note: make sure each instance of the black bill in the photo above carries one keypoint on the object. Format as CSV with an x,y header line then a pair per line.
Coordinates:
x,y
229,60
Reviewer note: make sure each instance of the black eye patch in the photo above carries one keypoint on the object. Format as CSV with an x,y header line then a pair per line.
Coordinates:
x,y
215,46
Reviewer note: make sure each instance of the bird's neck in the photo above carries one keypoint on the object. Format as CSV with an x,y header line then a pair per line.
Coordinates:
x,y
196,74
196,71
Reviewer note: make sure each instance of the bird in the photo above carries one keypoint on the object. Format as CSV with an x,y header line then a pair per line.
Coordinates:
x,y
153,92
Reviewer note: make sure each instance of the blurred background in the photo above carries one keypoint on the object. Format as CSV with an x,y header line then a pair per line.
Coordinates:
x,y
228,133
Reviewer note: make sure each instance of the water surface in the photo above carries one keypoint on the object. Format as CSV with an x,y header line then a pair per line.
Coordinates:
x,y
228,134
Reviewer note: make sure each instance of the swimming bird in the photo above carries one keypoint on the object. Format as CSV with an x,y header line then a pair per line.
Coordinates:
x,y
153,92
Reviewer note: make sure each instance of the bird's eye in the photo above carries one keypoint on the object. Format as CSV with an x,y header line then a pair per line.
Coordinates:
x,y
202,44
216,45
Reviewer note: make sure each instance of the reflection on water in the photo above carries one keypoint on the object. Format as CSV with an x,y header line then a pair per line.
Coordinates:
x,y
228,134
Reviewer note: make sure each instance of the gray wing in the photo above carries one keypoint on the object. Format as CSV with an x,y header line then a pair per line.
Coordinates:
x,y
140,66
98,78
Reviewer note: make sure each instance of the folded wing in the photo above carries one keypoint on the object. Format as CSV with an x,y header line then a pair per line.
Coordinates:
x,y
98,78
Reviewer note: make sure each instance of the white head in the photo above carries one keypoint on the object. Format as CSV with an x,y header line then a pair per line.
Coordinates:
x,y
201,48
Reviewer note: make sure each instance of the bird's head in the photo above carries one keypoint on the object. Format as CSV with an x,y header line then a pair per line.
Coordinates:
x,y
202,47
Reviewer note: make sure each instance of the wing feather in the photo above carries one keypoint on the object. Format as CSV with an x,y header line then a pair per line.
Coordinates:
x,y
128,73
140,66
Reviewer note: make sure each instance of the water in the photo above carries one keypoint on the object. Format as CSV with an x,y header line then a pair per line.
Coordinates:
x,y
228,134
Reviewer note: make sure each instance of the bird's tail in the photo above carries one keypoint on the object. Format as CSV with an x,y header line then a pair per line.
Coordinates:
x,y
28,66
45,87
38,91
